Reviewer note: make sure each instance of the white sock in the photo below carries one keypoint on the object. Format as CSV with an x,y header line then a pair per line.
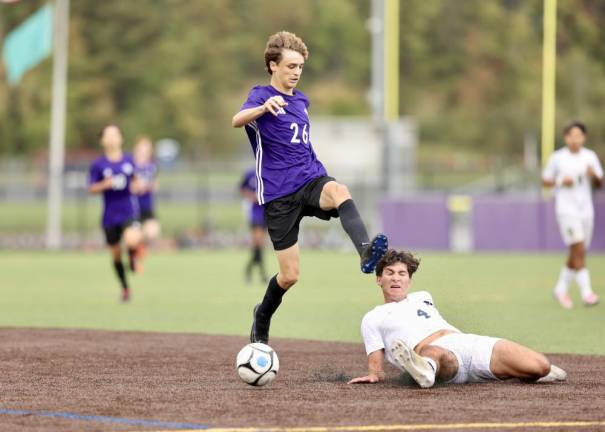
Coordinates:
x,y
566,276
583,280
432,362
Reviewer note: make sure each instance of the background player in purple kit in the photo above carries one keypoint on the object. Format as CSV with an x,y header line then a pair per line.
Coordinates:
x,y
256,219
112,175
146,171
292,182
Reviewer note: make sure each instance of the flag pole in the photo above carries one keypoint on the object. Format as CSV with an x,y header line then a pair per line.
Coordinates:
x,y
57,125
549,56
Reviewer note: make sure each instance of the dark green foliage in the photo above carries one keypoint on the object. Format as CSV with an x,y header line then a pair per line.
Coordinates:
x,y
470,70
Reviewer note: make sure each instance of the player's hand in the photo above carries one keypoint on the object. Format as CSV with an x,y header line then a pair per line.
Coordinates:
x,y
368,379
274,103
567,182
590,172
107,183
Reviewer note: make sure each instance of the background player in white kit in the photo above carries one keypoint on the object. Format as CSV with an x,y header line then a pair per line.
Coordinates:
x,y
414,337
574,170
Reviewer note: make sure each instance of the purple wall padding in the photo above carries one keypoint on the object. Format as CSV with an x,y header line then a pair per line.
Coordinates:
x,y
498,223
416,223
519,223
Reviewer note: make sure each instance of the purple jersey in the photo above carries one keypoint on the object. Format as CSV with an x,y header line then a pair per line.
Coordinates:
x,y
285,160
147,174
256,212
118,203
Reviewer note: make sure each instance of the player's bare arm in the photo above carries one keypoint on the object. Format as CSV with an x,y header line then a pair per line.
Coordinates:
x,y
375,370
272,105
596,180
100,186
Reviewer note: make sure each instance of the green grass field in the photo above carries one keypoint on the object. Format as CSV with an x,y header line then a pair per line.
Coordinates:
x,y
494,294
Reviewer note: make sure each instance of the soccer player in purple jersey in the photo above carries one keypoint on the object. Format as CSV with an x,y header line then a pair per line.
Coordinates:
x,y
258,227
146,171
292,182
112,175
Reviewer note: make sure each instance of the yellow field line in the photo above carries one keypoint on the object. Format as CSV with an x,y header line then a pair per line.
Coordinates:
x,y
408,427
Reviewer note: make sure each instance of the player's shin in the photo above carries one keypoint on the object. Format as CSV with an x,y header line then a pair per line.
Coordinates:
x,y
119,269
353,225
271,300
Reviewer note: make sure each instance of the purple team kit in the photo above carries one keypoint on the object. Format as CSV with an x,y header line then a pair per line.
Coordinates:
x,y
256,213
147,173
282,169
119,208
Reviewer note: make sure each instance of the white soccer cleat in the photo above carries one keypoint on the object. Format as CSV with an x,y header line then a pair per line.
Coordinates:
x,y
563,299
422,372
591,299
555,374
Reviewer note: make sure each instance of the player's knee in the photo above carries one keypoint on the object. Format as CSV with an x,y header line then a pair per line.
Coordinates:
x,y
152,230
132,237
288,278
342,192
541,366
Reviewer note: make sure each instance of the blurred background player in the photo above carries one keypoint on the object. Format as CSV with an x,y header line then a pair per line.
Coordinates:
x,y
146,171
112,175
256,220
413,336
292,182
574,170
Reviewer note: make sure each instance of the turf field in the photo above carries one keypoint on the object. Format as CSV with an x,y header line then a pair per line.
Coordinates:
x,y
203,292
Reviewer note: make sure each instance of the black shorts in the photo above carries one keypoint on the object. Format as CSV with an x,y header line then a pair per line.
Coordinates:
x,y
113,233
283,215
145,215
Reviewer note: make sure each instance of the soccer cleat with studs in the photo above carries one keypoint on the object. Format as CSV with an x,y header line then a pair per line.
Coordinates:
x,y
421,370
373,252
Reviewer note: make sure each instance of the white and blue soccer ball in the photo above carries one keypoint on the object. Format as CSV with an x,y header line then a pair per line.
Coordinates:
x,y
257,364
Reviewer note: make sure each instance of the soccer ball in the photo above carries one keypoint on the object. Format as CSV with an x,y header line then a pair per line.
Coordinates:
x,y
257,364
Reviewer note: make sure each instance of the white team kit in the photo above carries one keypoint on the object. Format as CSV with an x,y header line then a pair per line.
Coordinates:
x,y
414,319
574,207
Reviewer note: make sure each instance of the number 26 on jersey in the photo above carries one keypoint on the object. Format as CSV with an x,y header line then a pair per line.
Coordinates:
x,y
297,135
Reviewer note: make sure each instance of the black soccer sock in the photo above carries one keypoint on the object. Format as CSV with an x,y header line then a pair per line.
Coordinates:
x,y
257,255
132,258
119,268
272,299
353,225
261,264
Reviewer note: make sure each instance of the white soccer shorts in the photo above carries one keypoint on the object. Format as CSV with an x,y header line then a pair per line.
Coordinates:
x,y
474,354
575,229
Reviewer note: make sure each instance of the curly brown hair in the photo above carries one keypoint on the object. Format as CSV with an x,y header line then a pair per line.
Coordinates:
x,y
394,256
281,41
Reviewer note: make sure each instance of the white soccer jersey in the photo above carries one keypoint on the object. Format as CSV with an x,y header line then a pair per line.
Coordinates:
x,y
575,200
410,320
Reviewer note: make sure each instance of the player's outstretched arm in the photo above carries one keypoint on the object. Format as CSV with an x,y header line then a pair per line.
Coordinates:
x,y
376,373
245,116
100,186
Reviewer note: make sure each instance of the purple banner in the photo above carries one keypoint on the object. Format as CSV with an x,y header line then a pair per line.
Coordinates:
x,y
416,223
497,223
513,223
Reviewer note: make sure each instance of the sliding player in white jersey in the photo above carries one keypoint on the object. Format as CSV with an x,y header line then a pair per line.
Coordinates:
x,y
574,171
409,331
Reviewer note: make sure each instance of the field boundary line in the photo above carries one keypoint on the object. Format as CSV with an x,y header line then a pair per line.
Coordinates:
x,y
411,427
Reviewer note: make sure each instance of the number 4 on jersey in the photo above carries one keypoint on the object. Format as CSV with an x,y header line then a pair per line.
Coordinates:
x,y
422,313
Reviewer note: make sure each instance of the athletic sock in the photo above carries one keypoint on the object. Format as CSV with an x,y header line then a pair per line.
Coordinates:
x,y
132,253
119,268
566,276
583,280
431,362
353,225
261,265
257,255
272,299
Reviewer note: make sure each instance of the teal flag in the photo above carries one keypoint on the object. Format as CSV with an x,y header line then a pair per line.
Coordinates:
x,y
28,44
